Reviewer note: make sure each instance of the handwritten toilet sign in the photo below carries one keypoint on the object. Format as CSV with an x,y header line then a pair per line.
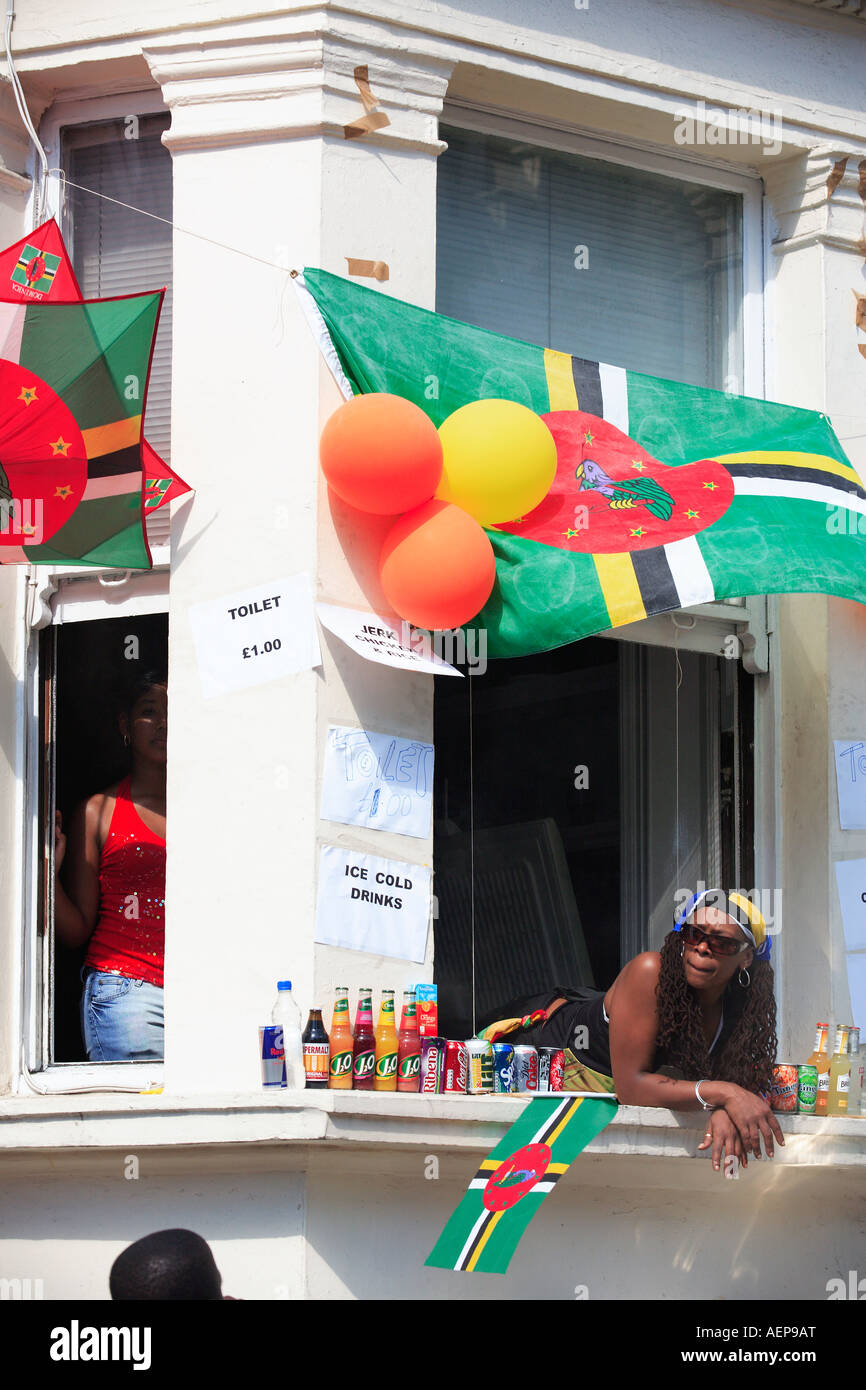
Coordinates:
x,y
850,762
378,780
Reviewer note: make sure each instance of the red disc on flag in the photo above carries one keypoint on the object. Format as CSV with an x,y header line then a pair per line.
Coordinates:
x,y
516,1176
609,495
43,458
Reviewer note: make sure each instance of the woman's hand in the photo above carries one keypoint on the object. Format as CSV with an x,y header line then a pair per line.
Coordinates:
x,y
59,842
724,1136
753,1118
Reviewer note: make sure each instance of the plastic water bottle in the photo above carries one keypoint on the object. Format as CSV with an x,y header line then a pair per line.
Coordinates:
x,y
286,1015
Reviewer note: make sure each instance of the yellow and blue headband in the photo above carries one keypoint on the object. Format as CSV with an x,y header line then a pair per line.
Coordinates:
x,y
736,905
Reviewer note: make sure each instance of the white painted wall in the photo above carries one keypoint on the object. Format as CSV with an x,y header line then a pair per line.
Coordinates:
x,y
258,101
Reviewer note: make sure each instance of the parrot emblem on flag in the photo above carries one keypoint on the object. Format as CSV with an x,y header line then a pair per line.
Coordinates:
x,y
627,492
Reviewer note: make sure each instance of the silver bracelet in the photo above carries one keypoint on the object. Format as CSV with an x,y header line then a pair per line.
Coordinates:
x,y
698,1085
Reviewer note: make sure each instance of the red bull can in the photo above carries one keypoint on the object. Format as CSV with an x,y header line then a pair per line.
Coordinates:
x,y
525,1069
503,1068
272,1055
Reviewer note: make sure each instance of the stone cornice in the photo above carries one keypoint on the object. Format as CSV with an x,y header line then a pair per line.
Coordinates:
x,y
237,93
820,199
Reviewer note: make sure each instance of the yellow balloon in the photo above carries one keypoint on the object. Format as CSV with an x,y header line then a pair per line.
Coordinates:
x,y
498,460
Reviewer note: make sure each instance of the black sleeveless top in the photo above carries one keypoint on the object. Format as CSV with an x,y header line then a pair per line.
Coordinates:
x,y
581,1019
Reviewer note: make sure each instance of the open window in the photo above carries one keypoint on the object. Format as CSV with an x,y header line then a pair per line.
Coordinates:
x,y
578,790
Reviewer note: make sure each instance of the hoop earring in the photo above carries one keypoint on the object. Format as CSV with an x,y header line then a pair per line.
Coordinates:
x,y
744,984
126,740
682,947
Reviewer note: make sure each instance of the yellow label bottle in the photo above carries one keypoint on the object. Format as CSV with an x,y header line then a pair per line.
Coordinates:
x,y
840,1074
385,1075
820,1059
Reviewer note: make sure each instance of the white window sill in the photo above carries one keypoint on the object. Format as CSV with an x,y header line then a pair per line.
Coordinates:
x,y
353,1118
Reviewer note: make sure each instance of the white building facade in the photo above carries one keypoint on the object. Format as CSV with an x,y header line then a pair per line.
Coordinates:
x,y
757,111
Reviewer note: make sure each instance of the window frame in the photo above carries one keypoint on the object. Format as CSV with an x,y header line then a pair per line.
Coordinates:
x,y
44,589
704,627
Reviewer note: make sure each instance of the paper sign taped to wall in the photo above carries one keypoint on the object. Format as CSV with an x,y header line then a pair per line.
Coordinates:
x,y
850,762
378,780
851,881
253,636
370,904
377,639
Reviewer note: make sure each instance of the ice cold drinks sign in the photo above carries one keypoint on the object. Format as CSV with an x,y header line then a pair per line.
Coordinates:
x,y
370,904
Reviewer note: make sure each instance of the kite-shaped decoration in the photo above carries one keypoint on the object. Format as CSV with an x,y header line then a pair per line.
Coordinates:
x,y
483,1232
76,476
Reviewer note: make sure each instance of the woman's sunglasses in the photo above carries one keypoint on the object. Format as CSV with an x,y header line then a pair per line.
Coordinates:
x,y
718,944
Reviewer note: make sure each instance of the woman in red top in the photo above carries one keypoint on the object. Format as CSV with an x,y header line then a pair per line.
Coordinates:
x,y
115,895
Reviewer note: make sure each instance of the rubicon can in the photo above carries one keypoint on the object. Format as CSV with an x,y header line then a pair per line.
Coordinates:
x,y
525,1069
551,1061
432,1065
456,1067
783,1089
480,1067
503,1068
807,1089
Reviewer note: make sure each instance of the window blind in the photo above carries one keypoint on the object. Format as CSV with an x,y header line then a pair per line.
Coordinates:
x,y
600,260
116,251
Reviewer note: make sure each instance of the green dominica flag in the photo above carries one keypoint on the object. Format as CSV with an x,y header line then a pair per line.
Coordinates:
x,y
484,1230
73,386
666,495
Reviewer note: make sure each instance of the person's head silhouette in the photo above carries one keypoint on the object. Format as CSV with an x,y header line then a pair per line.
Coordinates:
x,y
173,1264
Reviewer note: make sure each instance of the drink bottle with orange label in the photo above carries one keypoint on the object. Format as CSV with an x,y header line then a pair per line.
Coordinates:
x,y
385,1076
340,1074
364,1061
409,1046
316,1052
820,1059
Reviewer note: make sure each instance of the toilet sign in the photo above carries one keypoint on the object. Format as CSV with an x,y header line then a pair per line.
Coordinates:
x,y
370,904
253,636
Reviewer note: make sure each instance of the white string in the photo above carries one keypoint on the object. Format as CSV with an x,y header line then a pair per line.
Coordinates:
x,y
472,851
130,207
686,627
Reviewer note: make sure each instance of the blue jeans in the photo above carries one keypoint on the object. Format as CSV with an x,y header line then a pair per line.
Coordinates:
x,y
121,1019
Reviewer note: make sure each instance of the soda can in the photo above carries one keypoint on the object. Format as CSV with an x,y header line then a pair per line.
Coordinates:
x,y
480,1055
432,1065
557,1069
783,1088
807,1089
456,1068
525,1069
544,1068
503,1068
272,1055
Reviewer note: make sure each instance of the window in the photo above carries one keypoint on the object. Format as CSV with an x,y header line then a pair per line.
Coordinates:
x,y
104,628
596,787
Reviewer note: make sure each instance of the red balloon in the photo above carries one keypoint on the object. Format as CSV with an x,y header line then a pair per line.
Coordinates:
x,y
437,566
381,453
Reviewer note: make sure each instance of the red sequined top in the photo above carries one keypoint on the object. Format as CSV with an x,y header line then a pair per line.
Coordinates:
x,y
129,937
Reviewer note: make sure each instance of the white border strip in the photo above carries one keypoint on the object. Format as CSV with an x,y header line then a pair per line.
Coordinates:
x,y
324,341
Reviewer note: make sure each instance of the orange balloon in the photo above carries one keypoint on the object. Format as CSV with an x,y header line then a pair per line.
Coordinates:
x,y
437,566
381,453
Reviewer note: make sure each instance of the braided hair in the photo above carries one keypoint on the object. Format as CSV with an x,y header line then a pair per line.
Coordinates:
x,y
749,1054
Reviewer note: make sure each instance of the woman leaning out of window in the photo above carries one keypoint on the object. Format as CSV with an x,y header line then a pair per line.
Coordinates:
x,y
114,898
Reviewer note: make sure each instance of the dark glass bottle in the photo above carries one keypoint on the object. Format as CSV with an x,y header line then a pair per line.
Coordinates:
x,y
317,1051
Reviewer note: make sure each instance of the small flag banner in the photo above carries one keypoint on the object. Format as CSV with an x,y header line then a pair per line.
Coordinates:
x,y
666,495
484,1230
